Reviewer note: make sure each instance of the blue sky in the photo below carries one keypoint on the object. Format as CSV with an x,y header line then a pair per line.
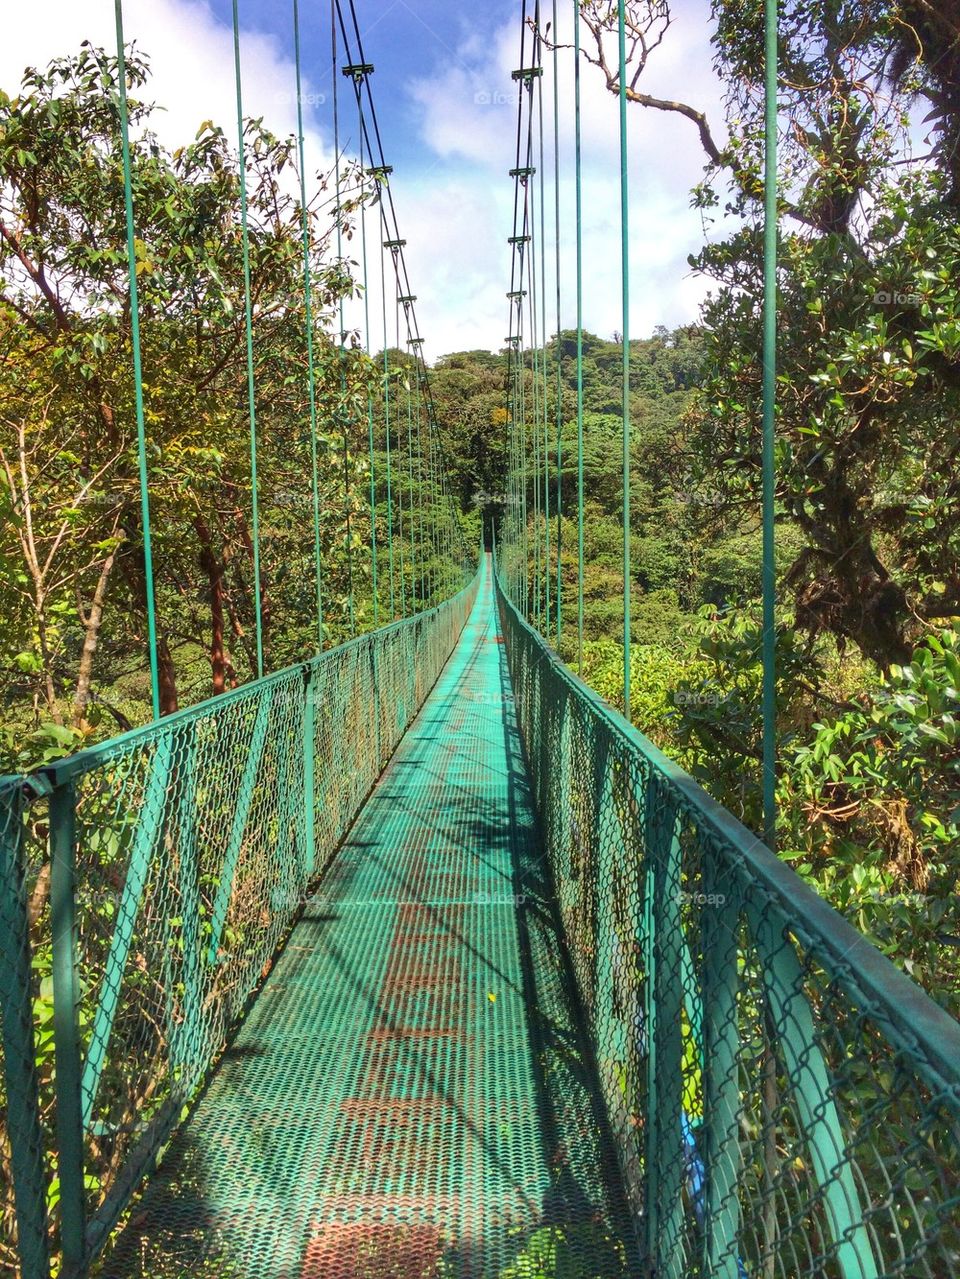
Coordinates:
x,y
407,42
444,99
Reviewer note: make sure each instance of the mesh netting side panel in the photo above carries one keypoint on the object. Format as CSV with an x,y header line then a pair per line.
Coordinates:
x,y
775,1113
365,696
190,866
24,1128
194,854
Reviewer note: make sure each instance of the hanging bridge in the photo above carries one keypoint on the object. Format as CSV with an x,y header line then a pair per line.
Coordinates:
x,y
417,960
516,998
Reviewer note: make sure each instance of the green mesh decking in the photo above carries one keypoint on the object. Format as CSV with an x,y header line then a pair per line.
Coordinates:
x,y
411,1093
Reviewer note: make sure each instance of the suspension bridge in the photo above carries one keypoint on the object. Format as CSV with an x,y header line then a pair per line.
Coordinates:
x,y
416,958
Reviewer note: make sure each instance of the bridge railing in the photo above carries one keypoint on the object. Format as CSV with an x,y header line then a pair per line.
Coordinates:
x,y
177,858
785,1102
24,1148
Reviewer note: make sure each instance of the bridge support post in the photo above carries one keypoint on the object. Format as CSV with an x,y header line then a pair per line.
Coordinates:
x,y
248,784
19,1055
309,782
184,1030
664,1162
721,1088
66,1028
375,703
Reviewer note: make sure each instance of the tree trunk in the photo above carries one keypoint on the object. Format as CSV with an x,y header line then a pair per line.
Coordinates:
x,y
852,595
240,636
167,678
213,567
91,636
49,690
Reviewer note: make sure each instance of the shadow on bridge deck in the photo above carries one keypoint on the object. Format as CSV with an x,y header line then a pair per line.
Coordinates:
x,y
411,1094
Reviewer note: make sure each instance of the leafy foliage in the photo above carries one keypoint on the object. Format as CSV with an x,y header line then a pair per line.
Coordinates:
x,y
72,572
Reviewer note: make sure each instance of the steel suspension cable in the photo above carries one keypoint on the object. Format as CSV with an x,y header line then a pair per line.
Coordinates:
x,y
144,476
578,150
535,415
403,566
769,426
625,289
559,361
515,429
438,491
426,490
308,311
386,415
525,486
431,511
524,520
527,257
442,517
424,573
414,541
434,511
343,422
248,326
535,396
538,60
366,324
404,282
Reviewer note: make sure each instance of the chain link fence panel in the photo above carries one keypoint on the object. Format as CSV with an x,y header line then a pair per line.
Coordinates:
x,y
785,1102
171,864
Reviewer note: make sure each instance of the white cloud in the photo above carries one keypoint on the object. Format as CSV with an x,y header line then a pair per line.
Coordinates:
x,y
191,59
467,119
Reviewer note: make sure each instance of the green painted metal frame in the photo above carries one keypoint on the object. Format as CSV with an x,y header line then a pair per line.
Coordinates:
x,y
664,942
791,1011
183,1034
735,955
66,1026
18,1062
149,829
258,740
720,1089
157,804
679,997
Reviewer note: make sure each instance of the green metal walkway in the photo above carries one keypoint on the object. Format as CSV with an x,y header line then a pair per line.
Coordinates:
x,y
411,1093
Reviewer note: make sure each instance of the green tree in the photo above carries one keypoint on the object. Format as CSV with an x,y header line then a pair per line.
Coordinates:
x,y
65,326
